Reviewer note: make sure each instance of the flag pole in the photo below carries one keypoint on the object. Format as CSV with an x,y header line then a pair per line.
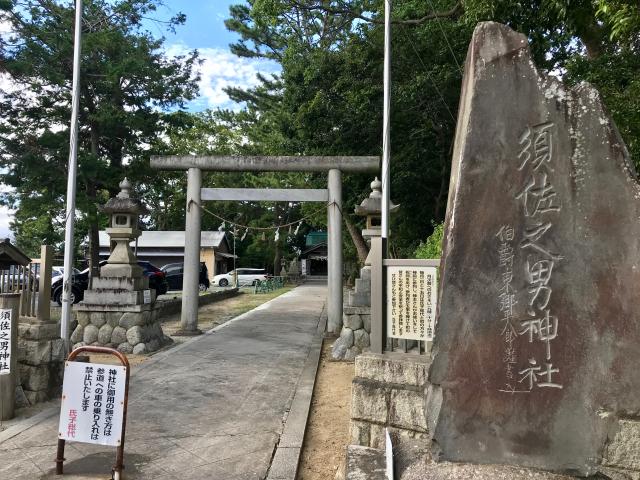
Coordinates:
x,y
71,182
386,128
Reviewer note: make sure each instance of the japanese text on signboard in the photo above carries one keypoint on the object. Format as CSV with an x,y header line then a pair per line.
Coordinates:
x,y
92,403
5,342
411,302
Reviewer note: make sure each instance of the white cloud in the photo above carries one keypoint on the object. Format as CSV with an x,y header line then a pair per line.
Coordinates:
x,y
6,216
221,69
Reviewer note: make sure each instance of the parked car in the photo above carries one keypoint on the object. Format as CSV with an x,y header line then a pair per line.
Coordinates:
x,y
246,276
174,273
80,282
157,278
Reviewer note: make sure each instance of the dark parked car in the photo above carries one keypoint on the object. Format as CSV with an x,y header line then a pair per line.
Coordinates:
x,y
80,283
175,275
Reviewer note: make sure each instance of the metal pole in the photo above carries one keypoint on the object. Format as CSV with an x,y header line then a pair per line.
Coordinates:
x,y
386,127
71,181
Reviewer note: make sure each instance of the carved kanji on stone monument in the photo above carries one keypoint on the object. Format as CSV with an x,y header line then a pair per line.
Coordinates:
x,y
537,344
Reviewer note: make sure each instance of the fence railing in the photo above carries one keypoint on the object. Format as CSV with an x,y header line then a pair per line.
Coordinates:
x,y
268,285
33,283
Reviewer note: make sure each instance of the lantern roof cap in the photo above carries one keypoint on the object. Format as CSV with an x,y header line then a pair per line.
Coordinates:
x,y
123,202
372,205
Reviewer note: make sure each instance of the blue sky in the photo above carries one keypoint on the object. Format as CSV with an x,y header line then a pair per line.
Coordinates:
x,y
204,31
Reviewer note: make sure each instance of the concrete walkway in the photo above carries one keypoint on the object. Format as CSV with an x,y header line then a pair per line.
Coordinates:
x,y
212,408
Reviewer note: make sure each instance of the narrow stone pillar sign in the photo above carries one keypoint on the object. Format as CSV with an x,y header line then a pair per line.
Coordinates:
x,y
334,249
9,308
190,291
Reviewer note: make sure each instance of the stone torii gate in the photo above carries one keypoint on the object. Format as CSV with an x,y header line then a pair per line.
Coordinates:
x,y
194,165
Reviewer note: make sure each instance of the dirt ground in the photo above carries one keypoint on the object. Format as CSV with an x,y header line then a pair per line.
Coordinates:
x,y
327,435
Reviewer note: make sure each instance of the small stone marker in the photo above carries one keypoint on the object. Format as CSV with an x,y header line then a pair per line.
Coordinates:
x,y
146,296
5,341
411,302
536,350
92,403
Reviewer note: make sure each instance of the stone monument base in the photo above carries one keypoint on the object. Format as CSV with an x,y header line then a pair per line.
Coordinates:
x,y
41,357
127,328
388,391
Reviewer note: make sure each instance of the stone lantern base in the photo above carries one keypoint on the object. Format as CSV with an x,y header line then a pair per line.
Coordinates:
x,y
114,314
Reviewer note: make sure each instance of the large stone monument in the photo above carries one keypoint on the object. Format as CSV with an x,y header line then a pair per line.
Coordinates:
x,y
537,345
119,310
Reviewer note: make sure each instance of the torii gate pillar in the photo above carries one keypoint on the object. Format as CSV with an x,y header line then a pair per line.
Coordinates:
x,y
334,250
194,165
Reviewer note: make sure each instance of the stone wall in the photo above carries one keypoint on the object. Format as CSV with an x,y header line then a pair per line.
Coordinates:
x,y
41,355
388,391
135,331
356,320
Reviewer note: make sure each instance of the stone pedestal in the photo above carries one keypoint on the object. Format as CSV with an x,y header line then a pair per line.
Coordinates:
x,y
127,328
41,355
388,391
356,320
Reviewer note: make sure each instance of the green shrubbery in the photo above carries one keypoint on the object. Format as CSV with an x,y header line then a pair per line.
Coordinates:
x,y
432,248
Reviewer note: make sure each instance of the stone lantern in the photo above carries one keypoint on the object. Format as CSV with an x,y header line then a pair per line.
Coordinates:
x,y
124,212
371,208
119,310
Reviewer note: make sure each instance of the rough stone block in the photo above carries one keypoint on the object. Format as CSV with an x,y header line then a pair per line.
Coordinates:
x,y
131,319
365,463
346,336
58,351
37,396
407,410
366,322
38,331
119,335
393,368
140,349
78,334
90,334
98,318
125,347
35,378
359,433
104,334
354,322
365,274
368,402
624,450
84,318
361,339
351,353
135,335
113,318
34,352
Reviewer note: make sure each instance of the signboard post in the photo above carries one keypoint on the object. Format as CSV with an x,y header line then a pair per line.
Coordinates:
x,y
411,302
94,404
9,308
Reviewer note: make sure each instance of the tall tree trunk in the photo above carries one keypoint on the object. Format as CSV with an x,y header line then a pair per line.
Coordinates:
x,y
94,235
357,239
